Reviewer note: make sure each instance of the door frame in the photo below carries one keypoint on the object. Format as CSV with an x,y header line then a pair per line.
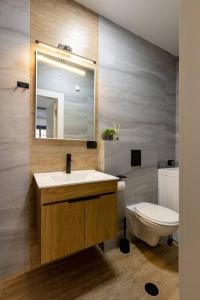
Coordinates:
x,y
60,117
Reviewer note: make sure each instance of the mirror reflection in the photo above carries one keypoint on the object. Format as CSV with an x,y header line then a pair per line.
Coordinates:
x,y
65,99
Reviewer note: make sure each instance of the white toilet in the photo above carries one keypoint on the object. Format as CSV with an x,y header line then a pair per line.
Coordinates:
x,y
149,222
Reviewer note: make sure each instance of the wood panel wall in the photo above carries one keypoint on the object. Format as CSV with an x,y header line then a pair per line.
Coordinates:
x,y
53,22
64,21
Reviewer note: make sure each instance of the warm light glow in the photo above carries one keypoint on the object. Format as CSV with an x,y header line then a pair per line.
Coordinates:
x,y
71,56
60,65
54,49
78,59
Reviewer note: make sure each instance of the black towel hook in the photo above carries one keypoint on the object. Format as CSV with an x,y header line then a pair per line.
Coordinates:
x,y
23,85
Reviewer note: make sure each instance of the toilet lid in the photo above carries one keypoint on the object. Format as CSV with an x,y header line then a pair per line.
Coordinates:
x,y
157,213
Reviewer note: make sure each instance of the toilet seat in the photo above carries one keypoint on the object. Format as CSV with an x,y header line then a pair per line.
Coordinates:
x,y
155,214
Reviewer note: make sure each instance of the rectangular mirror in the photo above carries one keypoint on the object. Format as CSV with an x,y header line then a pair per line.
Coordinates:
x,y
65,99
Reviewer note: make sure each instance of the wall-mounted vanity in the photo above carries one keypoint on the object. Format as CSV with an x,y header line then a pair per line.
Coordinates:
x,y
77,210
74,211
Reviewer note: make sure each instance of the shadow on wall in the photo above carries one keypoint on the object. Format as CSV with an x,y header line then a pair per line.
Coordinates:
x,y
141,182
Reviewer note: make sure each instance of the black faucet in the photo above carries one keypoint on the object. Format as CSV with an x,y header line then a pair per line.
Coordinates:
x,y
68,163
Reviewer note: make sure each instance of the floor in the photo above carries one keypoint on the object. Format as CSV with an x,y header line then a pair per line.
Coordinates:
x,y
92,275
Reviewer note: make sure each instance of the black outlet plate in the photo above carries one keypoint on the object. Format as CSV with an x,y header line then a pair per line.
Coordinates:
x,y
91,144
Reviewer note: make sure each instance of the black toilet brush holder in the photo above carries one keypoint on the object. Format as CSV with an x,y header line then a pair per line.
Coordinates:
x,y
124,242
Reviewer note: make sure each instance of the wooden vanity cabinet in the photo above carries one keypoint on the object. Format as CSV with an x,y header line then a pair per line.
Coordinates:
x,y
72,218
100,219
62,229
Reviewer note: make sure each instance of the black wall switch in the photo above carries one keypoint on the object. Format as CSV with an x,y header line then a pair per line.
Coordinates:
x,y
135,158
91,144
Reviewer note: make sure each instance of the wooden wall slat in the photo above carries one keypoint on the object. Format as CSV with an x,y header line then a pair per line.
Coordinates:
x,y
65,22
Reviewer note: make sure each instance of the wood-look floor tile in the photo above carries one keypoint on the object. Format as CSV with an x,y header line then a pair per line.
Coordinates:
x,y
92,275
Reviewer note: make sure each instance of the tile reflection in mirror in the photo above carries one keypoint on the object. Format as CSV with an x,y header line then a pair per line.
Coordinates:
x,y
65,99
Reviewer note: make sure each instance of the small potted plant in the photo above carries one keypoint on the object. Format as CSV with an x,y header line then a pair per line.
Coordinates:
x,y
108,134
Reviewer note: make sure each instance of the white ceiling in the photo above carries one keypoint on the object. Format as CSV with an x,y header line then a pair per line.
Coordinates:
x,y
155,20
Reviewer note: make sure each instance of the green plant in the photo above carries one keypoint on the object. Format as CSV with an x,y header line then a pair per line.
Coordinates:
x,y
108,134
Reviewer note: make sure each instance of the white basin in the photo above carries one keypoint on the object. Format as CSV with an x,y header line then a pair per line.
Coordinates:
x,y
47,180
65,178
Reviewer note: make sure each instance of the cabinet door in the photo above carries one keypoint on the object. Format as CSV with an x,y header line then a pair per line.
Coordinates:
x,y
100,219
62,229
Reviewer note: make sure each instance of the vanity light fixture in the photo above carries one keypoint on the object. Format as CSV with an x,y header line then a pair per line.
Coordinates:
x,y
71,56
60,65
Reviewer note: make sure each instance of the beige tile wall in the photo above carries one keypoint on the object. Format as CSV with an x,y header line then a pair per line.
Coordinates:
x,y
68,23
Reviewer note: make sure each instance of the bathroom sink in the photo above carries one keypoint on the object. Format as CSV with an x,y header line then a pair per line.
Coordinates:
x,y
66,178
47,180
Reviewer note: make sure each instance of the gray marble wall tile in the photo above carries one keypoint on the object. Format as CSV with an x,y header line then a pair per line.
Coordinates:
x,y
177,113
138,90
14,135
13,242
141,185
141,182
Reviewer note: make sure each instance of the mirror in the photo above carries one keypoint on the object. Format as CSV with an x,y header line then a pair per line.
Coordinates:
x,y
65,99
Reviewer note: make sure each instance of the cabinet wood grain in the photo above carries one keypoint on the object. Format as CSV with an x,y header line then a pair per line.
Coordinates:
x,y
62,230
76,191
100,219
72,218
